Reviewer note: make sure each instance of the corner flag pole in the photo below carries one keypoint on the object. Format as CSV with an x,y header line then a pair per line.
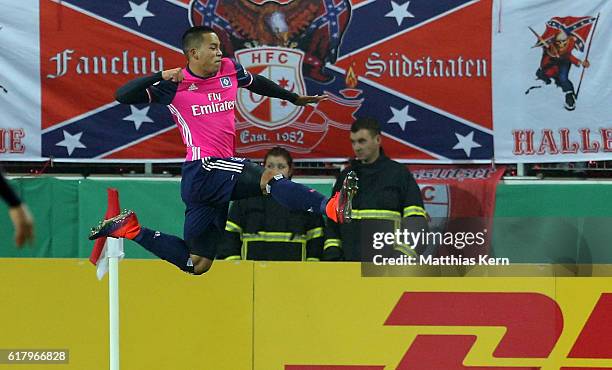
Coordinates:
x,y
115,248
587,53
106,254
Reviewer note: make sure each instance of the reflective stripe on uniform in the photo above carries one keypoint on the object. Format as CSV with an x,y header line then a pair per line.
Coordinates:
x,y
376,214
232,227
415,211
314,233
405,249
272,236
332,243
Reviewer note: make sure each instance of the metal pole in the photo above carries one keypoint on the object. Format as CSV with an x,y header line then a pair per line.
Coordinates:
x,y
115,247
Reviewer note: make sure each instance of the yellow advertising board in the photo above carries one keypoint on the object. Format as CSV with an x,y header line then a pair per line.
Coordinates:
x,y
325,316
303,316
168,319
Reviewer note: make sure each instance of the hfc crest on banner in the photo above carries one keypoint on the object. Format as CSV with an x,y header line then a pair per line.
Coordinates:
x,y
281,65
263,122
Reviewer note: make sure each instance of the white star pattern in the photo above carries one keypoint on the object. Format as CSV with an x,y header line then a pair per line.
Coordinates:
x,y
399,12
139,12
71,142
138,116
401,117
466,143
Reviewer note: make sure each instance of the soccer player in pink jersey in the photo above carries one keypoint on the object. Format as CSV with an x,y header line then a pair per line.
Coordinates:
x,y
202,98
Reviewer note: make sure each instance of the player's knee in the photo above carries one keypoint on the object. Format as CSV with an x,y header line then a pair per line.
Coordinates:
x,y
200,270
266,176
201,265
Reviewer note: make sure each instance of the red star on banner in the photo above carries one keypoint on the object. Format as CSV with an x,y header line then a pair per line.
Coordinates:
x,y
283,82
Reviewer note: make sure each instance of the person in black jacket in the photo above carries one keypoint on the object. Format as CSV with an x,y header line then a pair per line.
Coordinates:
x,y
19,214
388,199
262,229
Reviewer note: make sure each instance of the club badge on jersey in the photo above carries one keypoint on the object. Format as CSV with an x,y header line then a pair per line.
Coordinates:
x,y
226,82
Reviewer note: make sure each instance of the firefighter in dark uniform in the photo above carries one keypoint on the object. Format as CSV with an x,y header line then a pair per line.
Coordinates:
x,y
388,199
263,230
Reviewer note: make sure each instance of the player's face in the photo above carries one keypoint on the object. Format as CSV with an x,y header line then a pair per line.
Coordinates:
x,y
365,146
208,55
278,164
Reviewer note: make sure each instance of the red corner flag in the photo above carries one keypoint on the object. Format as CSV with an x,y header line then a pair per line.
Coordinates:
x,y
97,253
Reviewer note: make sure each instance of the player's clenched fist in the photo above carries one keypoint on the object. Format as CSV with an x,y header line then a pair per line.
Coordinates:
x,y
174,75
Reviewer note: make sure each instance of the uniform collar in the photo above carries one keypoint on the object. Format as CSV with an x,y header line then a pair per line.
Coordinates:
x,y
198,76
381,158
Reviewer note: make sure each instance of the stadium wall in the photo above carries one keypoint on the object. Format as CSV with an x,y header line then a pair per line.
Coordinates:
x,y
535,222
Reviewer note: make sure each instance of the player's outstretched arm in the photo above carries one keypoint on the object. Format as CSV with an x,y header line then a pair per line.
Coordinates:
x,y
19,214
23,223
135,91
266,87
309,99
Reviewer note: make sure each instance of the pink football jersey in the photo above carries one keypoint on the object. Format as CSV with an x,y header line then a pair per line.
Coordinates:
x,y
203,109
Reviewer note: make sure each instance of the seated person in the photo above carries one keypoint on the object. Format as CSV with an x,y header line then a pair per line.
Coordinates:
x,y
263,230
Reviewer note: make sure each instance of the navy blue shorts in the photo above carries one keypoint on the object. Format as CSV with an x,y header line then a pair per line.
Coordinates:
x,y
207,186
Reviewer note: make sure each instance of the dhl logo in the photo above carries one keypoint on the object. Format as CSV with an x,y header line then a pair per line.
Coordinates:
x,y
533,322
